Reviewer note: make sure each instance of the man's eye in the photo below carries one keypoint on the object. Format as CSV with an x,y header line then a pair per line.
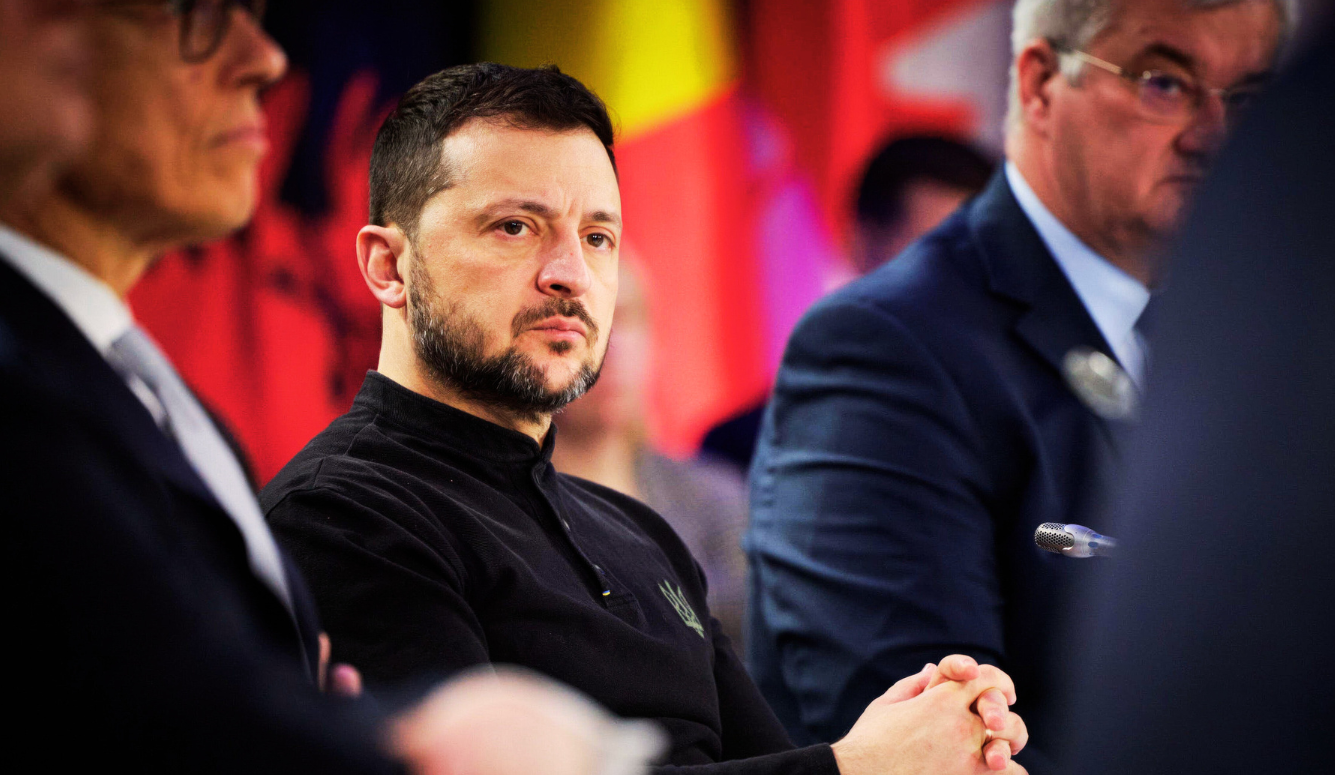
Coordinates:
x,y
1239,101
597,240
513,228
1165,86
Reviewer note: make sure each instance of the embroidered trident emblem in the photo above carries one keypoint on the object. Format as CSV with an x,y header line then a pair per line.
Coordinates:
x,y
678,600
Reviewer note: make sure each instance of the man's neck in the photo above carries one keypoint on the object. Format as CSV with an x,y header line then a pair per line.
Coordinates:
x,y
101,248
1133,253
406,370
606,458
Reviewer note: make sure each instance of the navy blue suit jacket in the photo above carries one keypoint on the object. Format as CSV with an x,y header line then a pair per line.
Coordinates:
x,y
138,634
921,429
1210,651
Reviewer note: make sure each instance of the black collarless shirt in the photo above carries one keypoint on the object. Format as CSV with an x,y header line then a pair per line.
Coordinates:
x,y
434,541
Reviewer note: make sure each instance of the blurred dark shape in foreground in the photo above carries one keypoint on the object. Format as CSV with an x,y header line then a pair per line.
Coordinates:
x,y
1220,606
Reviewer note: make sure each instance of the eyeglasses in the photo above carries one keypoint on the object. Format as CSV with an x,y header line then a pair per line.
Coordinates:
x,y
1171,98
204,23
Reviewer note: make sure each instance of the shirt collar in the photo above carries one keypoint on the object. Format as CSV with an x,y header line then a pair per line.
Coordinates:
x,y
95,309
441,423
1113,298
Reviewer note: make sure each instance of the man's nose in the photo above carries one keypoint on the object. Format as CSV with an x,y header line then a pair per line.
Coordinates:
x,y
564,272
253,55
1208,128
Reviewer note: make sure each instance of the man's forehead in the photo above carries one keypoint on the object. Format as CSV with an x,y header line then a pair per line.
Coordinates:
x,y
497,142
1245,34
537,171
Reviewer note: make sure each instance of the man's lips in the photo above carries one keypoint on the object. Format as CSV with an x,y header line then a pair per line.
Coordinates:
x,y
252,134
568,329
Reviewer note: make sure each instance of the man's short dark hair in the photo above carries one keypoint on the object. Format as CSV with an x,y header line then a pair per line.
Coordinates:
x,y
407,164
914,158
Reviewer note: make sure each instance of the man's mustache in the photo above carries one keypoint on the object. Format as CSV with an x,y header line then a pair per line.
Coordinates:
x,y
568,308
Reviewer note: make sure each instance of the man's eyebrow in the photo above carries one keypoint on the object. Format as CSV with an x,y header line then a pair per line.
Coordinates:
x,y
1187,61
542,211
1171,53
527,205
602,216
1260,78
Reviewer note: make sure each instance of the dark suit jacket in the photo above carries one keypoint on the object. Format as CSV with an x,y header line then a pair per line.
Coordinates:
x,y
138,634
1210,648
921,429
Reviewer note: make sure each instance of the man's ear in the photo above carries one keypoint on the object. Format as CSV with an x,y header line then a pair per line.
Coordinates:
x,y
1037,70
381,252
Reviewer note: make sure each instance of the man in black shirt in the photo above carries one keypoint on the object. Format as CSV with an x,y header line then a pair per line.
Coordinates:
x,y
154,624
429,520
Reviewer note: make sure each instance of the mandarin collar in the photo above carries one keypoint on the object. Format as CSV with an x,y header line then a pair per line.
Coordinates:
x,y
460,431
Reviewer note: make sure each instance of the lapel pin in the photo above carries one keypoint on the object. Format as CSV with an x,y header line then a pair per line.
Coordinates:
x,y
1100,384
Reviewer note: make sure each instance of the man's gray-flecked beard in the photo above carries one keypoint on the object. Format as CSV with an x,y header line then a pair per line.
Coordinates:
x,y
451,348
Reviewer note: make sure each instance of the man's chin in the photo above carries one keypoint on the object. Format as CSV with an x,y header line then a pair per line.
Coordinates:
x,y
557,384
204,223
1171,208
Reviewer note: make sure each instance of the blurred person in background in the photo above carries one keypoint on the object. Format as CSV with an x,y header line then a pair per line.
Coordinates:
x,y
434,530
154,620
912,184
930,416
909,187
604,439
46,115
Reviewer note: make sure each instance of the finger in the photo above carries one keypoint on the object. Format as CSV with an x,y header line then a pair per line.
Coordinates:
x,y
993,677
958,667
345,681
993,709
325,649
908,688
997,754
955,667
1013,731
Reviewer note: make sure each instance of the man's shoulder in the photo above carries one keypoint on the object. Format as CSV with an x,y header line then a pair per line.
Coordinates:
x,y
937,284
329,460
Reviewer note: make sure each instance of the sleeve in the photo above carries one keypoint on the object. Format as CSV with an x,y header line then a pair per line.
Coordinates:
x,y
812,760
871,540
754,742
390,591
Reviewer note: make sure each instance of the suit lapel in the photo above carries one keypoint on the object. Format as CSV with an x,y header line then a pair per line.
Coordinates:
x,y
57,355
1020,267
63,358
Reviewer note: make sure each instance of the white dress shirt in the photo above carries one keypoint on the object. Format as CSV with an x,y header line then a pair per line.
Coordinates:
x,y
1113,298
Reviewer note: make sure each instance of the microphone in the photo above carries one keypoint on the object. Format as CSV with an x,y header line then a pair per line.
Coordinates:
x,y
1073,540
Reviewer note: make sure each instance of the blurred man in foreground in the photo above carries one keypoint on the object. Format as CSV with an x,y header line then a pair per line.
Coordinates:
x,y
929,417
434,530
1224,570
154,622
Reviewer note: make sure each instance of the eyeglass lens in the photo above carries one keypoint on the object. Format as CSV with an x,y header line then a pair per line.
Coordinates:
x,y
204,24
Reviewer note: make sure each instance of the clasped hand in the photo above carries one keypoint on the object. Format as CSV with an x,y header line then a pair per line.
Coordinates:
x,y
949,719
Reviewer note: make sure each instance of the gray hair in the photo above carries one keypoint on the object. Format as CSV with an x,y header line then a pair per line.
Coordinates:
x,y
1072,24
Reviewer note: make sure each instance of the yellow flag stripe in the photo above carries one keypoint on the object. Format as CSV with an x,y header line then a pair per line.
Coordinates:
x,y
650,60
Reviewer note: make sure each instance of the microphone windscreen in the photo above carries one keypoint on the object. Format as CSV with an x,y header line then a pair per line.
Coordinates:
x,y
1053,537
